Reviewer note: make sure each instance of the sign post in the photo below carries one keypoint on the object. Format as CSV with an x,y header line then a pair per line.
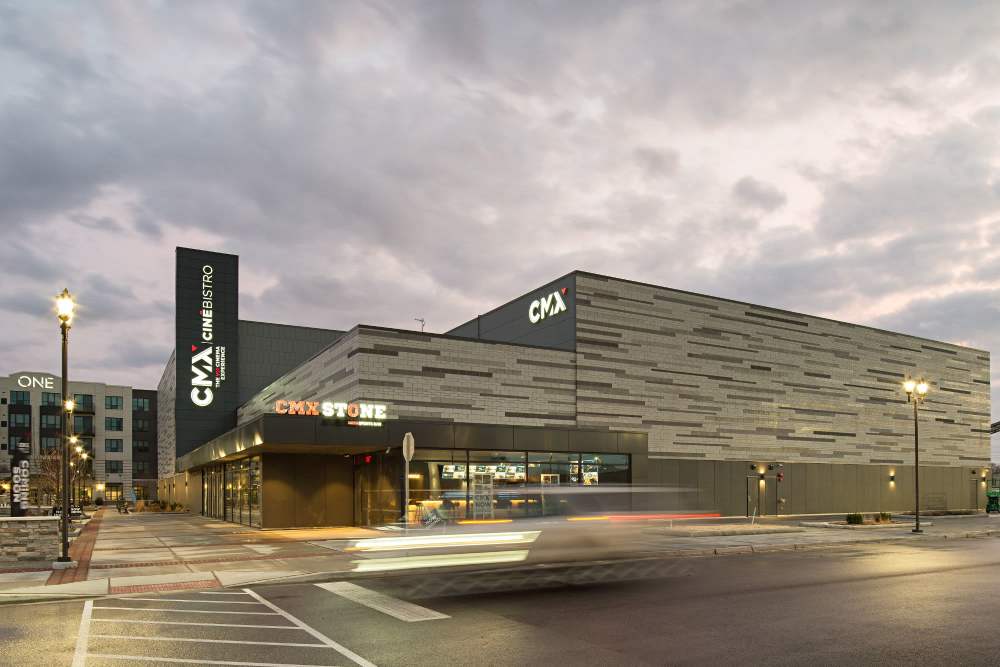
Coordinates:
x,y
20,469
408,447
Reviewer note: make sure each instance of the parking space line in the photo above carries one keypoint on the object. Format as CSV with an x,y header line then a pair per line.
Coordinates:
x,y
208,641
400,609
180,600
222,625
220,593
192,661
192,611
343,650
82,636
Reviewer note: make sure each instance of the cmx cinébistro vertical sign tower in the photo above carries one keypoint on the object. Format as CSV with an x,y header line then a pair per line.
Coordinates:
x,y
207,299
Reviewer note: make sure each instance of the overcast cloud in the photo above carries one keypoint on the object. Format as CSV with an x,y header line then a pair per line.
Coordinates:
x,y
376,162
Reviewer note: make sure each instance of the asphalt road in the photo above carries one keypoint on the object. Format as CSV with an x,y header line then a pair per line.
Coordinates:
x,y
932,603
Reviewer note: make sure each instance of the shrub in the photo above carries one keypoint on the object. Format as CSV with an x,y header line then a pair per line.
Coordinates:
x,y
856,518
885,516
99,501
140,506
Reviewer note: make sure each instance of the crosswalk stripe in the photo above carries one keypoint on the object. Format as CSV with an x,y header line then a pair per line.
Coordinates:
x,y
400,609
195,661
207,641
202,624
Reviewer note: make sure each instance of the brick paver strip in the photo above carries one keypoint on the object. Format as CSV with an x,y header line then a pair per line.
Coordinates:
x,y
156,588
80,551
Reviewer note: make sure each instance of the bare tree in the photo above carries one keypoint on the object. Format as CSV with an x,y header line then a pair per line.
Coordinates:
x,y
46,478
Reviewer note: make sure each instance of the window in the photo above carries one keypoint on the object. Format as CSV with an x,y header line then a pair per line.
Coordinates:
x,y
604,469
140,492
140,446
113,423
20,420
113,403
49,444
51,399
83,402
113,445
141,468
83,424
113,492
140,404
51,421
140,424
20,398
112,467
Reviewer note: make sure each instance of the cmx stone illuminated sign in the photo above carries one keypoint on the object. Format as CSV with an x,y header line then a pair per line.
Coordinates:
x,y
356,414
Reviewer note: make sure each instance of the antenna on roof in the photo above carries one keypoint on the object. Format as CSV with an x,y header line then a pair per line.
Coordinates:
x,y
422,323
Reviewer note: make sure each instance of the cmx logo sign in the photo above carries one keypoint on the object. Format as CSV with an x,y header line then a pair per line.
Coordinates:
x,y
547,306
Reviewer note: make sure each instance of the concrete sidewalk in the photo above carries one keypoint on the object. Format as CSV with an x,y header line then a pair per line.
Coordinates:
x,y
138,553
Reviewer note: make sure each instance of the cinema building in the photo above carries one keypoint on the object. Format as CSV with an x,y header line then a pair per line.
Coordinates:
x,y
587,381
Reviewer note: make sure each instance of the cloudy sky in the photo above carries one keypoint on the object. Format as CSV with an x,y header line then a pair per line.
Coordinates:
x,y
379,161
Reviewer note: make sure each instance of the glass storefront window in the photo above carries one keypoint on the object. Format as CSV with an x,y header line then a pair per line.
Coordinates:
x,y
604,469
231,492
498,485
438,488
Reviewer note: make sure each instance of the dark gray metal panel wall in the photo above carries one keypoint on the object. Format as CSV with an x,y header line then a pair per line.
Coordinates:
x,y
813,488
510,323
268,351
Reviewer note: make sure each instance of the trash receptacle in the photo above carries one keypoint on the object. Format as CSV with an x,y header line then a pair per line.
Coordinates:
x,y
992,500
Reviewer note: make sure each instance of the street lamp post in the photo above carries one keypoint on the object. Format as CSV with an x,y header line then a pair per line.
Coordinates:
x,y
915,393
64,311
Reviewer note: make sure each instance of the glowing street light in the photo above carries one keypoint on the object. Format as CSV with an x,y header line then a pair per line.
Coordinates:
x,y
916,390
64,312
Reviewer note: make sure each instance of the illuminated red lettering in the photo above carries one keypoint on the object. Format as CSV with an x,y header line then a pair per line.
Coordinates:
x,y
353,411
312,408
281,407
296,407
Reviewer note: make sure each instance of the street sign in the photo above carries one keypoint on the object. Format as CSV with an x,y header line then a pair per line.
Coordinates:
x,y
408,447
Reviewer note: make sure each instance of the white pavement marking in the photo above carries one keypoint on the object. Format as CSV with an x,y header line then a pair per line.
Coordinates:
x,y
193,661
220,593
343,650
207,641
404,611
191,611
200,625
198,601
80,654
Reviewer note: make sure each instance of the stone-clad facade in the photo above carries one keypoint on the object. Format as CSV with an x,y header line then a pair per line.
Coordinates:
x,y
707,378
716,379
426,376
166,420
29,538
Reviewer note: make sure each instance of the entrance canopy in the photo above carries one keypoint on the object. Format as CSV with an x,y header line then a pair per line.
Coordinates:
x,y
304,434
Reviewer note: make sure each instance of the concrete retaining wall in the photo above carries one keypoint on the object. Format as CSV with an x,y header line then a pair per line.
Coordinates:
x,y
29,538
